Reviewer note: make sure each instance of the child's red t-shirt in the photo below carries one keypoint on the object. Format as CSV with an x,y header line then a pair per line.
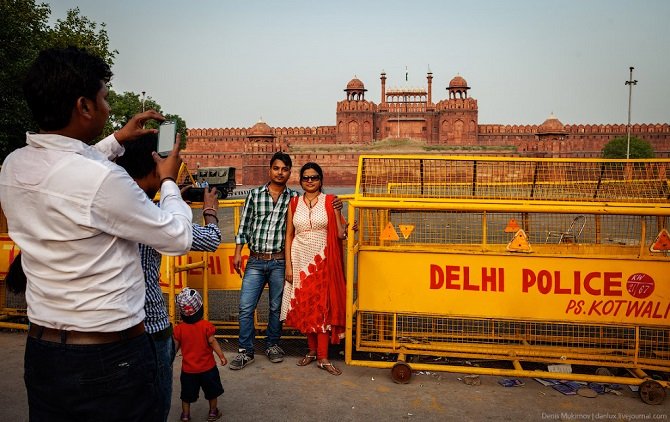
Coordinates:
x,y
195,349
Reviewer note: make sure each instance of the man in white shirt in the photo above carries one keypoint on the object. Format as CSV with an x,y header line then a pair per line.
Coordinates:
x,y
78,218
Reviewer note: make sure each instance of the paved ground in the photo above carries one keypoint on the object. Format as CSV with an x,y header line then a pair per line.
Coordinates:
x,y
286,392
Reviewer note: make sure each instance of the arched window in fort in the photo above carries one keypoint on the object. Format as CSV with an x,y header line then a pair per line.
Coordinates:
x,y
353,131
458,130
472,126
445,127
366,127
340,127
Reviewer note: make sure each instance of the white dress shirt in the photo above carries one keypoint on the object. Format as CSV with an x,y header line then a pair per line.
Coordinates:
x,y
78,218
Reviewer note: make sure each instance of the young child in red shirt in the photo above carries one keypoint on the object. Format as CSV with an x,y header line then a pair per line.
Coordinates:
x,y
195,337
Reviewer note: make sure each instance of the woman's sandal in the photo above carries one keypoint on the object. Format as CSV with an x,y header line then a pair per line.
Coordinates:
x,y
332,370
306,360
185,418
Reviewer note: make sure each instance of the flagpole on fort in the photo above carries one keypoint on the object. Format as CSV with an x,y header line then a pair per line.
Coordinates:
x,y
143,92
630,82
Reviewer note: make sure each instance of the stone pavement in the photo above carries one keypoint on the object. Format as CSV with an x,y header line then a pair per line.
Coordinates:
x,y
267,392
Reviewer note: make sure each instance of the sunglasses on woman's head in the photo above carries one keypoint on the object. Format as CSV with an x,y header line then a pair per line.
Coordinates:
x,y
314,178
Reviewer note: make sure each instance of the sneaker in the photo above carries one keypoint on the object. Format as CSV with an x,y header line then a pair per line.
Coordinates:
x,y
241,360
275,354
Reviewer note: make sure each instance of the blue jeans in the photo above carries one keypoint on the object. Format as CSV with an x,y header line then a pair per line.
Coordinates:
x,y
257,273
165,355
102,382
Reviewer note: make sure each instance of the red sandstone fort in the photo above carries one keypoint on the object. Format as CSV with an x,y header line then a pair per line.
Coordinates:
x,y
448,126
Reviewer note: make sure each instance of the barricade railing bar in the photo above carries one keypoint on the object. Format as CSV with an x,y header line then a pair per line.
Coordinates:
x,y
552,261
513,179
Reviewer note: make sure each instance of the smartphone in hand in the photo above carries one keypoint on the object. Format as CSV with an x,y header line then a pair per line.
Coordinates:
x,y
167,135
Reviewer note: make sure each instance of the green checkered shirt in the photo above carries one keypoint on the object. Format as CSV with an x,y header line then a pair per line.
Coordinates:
x,y
263,223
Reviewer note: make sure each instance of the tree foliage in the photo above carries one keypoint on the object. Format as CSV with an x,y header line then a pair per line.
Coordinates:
x,y
639,148
126,105
82,32
24,31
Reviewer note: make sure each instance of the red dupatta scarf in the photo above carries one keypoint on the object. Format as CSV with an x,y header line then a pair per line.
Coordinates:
x,y
327,287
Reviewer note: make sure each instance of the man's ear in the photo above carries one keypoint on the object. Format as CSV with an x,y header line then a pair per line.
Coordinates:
x,y
83,106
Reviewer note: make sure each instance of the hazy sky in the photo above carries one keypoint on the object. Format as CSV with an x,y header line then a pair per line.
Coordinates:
x,y
228,63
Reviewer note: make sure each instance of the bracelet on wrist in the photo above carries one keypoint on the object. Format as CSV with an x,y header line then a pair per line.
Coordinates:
x,y
211,215
167,178
208,209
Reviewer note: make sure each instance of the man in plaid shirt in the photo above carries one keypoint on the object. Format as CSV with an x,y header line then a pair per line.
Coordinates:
x,y
263,228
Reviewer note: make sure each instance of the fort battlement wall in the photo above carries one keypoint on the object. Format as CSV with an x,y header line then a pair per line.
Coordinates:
x,y
449,126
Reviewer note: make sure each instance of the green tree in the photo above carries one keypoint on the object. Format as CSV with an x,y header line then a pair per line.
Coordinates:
x,y
23,30
639,148
126,105
80,31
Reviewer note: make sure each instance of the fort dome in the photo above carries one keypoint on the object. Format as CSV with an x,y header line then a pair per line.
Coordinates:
x,y
261,129
551,126
458,82
356,84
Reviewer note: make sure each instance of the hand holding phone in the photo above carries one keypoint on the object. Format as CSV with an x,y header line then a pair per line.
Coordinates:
x,y
169,166
167,135
135,126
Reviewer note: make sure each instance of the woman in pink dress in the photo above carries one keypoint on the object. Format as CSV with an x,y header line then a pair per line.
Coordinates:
x,y
314,293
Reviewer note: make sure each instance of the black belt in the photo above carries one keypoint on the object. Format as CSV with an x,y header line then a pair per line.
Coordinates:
x,y
163,334
83,337
267,256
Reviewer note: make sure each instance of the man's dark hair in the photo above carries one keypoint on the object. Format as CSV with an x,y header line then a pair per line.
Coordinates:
x,y
138,160
283,157
57,78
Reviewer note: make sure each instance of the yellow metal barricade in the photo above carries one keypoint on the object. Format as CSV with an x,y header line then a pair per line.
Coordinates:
x,y
213,275
526,260
12,305
210,273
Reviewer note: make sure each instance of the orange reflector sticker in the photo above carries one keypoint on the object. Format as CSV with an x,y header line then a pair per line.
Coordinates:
x,y
406,229
389,233
512,227
662,242
519,243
